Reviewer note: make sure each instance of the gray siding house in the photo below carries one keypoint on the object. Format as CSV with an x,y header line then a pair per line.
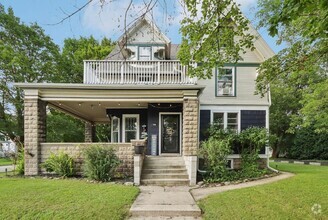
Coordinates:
x,y
146,95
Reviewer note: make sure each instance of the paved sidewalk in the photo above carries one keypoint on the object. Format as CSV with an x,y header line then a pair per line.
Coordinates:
x,y
156,202
9,168
200,193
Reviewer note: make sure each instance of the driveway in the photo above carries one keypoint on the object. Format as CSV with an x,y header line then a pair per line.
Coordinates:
x,y
9,168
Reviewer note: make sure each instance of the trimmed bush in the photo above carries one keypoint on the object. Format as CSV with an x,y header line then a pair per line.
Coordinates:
x,y
61,164
100,163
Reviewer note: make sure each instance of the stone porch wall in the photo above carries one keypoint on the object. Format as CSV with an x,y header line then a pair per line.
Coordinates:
x,y
190,127
124,151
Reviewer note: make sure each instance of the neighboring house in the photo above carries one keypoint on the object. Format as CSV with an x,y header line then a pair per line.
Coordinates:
x,y
143,90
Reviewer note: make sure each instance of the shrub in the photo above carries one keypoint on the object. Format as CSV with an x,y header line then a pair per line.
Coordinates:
x,y
219,145
61,164
100,163
20,162
309,145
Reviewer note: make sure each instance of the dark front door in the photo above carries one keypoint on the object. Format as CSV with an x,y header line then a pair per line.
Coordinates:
x,y
170,133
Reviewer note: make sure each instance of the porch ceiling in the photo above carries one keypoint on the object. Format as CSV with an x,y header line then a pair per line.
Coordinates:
x,y
89,102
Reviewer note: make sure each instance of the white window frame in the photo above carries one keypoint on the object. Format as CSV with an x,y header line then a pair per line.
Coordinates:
x,y
233,73
231,164
112,131
225,118
123,125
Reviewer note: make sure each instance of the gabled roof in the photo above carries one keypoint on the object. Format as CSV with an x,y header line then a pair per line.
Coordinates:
x,y
140,22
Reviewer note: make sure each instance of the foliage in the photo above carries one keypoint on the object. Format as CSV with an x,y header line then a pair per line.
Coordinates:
x,y
213,33
309,144
219,145
27,54
76,50
61,164
293,197
103,132
100,163
298,74
20,163
38,198
64,128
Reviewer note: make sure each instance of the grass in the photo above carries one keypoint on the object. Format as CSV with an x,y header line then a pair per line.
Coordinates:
x,y
291,198
5,161
36,198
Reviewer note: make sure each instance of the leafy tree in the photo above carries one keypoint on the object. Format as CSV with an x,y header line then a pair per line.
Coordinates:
x,y
77,50
213,33
27,54
298,74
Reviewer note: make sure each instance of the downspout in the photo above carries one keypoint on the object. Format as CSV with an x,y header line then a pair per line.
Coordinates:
x,y
268,164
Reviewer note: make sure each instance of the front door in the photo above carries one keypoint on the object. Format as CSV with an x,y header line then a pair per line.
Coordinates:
x,y
170,133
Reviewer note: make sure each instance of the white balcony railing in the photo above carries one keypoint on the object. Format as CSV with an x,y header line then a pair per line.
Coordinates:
x,y
136,72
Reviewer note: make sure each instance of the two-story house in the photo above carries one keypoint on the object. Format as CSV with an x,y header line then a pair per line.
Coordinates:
x,y
143,91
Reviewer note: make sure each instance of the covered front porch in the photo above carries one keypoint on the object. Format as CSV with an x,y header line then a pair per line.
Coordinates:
x,y
167,116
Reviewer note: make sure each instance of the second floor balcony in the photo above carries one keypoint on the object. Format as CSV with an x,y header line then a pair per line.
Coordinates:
x,y
136,72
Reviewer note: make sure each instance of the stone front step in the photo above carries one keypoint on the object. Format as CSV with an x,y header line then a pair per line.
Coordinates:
x,y
165,176
158,171
163,166
165,182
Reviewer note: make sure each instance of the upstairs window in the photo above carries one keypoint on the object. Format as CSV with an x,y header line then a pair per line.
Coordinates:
x,y
144,53
225,80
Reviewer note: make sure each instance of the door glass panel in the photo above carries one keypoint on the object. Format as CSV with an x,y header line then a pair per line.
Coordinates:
x,y
170,134
130,128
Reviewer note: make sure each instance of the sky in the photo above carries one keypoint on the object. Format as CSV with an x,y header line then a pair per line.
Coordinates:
x,y
107,20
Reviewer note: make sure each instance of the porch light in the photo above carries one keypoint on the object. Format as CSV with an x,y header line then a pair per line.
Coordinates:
x,y
139,104
59,103
80,104
99,104
91,106
119,103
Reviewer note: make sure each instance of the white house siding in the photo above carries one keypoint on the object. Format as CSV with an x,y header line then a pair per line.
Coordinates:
x,y
245,88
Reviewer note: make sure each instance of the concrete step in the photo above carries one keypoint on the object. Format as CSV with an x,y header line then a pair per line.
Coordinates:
x,y
164,176
165,210
181,163
159,166
158,171
165,182
164,218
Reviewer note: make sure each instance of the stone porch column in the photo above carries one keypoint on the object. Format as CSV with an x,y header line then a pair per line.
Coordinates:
x,y
190,136
89,132
34,133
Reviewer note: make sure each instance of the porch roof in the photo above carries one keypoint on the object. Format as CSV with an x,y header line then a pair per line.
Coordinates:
x,y
89,102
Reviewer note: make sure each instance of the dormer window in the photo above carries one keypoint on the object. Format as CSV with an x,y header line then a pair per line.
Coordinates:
x,y
144,53
225,80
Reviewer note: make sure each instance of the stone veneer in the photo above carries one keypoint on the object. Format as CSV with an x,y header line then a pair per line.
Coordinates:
x,y
190,126
34,133
124,151
89,132
237,163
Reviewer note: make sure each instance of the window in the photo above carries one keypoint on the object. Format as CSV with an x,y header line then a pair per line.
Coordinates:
x,y
130,127
226,120
229,165
115,128
225,82
144,53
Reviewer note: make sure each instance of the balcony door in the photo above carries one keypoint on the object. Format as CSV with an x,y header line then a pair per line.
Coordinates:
x,y
170,133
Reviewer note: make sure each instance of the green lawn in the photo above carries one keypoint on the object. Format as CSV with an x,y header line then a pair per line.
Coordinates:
x,y
5,161
292,198
26,198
